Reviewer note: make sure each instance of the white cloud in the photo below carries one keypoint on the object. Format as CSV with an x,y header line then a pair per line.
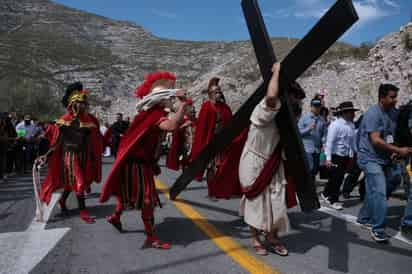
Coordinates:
x,y
164,14
392,3
371,10
368,10
310,13
282,13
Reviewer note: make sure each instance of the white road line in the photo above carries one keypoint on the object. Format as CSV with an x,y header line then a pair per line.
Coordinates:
x,y
20,252
352,219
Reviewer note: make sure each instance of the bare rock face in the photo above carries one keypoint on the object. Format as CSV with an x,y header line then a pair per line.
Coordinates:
x,y
389,61
44,46
348,78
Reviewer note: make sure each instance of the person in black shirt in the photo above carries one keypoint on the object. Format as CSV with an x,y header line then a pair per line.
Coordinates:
x,y
118,129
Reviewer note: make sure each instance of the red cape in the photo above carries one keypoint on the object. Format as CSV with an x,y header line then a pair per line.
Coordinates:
x,y
141,125
205,127
226,181
177,146
266,175
52,132
93,169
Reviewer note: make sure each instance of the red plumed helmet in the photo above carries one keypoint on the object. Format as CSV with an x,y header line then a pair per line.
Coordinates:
x,y
144,89
189,101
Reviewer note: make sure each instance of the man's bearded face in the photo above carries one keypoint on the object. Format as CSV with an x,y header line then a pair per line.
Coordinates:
x,y
215,93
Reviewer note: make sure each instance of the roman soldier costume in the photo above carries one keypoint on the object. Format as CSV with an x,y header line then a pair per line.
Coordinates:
x,y
76,150
131,179
213,116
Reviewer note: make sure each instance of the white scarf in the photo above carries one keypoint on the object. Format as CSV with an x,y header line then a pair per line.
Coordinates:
x,y
155,98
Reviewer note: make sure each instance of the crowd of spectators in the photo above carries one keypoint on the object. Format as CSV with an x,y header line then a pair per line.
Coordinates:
x,y
346,148
21,141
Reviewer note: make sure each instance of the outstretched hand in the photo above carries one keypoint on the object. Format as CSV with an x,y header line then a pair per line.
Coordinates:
x,y
41,160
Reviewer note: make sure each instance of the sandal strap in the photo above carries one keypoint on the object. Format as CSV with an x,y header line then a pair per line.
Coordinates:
x,y
156,243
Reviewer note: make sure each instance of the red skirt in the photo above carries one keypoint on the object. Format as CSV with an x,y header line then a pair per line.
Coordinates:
x,y
74,164
138,188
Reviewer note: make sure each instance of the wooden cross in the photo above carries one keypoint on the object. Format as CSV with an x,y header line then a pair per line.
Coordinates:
x,y
323,35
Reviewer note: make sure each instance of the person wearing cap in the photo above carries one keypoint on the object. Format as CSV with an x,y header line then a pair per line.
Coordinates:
x,y
213,115
312,128
352,178
339,150
131,179
74,157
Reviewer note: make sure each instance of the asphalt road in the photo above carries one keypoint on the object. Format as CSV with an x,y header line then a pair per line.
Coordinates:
x,y
325,241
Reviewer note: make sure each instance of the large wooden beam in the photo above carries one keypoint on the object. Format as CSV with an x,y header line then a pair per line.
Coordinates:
x,y
327,31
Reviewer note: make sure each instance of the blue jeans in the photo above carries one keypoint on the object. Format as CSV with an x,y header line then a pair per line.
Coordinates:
x,y
380,182
407,216
313,161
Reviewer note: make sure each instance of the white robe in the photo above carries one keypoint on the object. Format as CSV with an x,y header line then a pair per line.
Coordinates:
x,y
268,210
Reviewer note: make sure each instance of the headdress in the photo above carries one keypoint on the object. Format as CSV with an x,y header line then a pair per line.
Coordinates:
x,y
147,85
347,106
74,93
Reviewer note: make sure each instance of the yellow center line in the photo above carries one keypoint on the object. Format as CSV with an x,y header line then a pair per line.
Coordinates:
x,y
231,247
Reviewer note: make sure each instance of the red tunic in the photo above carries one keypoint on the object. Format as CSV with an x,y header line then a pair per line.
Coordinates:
x,y
177,148
90,172
206,126
225,183
139,142
52,133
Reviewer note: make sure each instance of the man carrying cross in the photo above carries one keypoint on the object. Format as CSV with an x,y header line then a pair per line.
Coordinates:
x,y
262,171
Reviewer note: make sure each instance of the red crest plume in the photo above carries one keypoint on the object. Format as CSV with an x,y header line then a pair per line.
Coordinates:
x,y
144,89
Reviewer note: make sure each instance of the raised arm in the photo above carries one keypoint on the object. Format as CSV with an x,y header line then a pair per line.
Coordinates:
x,y
272,93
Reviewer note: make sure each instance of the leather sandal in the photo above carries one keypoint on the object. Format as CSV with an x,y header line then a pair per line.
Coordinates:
x,y
115,222
260,250
84,215
279,249
153,242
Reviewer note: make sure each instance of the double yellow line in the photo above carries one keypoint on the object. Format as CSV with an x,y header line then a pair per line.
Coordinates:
x,y
232,248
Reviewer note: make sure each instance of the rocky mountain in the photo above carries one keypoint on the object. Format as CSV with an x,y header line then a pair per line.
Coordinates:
x,y
44,46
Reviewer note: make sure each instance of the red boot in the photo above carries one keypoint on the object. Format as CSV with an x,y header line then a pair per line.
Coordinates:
x,y
151,241
114,220
62,202
154,242
85,216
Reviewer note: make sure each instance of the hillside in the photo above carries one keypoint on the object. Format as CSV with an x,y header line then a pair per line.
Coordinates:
x,y
44,46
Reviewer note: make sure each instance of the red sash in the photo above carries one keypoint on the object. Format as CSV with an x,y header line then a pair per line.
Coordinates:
x,y
265,177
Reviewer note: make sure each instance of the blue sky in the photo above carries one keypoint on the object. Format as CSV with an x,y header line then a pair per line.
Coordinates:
x,y
203,20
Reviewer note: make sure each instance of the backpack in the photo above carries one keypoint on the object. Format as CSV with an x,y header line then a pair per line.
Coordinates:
x,y
403,135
